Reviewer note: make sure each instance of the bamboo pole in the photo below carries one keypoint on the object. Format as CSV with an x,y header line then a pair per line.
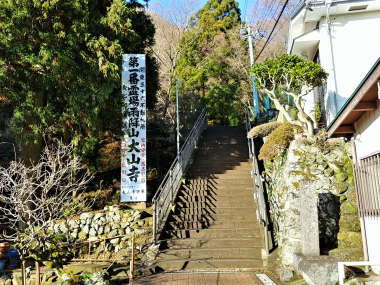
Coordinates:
x,y
38,273
23,273
132,262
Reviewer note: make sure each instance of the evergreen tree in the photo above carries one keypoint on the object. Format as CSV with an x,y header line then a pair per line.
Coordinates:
x,y
207,63
60,66
218,16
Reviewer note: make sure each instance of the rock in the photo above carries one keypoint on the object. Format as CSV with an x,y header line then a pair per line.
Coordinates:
x,y
99,215
350,239
320,270
86,229
92,238
285,274
74,234
116,218
92,232
86,216
64,229
112,233
82,236
354,281
376,269
115,241
151,254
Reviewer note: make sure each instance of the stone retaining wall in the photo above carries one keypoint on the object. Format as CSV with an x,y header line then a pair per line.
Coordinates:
x,y
323,168
112,222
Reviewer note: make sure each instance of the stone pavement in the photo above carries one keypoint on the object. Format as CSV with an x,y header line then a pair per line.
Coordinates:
x,y
200,279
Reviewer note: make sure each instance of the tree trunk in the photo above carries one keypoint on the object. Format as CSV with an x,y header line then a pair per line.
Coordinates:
x,y
304,117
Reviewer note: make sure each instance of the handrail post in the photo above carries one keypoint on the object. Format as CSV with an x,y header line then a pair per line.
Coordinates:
x,y
154,223
170,184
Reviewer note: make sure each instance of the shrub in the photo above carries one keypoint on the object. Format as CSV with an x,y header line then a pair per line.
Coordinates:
x,y
263,130
278,141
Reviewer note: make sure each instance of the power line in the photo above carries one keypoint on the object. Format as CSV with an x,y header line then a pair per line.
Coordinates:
x,y
275,24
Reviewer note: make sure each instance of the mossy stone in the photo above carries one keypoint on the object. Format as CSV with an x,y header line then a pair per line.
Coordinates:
x,y
350,239
347,254
348,207
349,223
329,172
341,176
82,236
341,187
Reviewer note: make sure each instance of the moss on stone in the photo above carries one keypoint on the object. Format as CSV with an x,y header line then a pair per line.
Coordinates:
x,y
350,239
341,176
341,187
347,254
278,141
348,208
350,223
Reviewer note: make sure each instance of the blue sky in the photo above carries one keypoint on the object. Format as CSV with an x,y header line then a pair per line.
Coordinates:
x,y
243,4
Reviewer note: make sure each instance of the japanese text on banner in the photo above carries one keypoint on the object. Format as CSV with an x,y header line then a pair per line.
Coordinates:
x,y
133,145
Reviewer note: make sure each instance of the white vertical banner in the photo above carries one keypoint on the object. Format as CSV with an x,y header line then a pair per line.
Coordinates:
x,y
133,144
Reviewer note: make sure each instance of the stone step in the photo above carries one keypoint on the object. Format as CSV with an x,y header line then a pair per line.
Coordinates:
x,y
196,216
205,160
233,212
203,224
217,189
213,243
214,253
210,264
219,203
214,233
197,197
217,177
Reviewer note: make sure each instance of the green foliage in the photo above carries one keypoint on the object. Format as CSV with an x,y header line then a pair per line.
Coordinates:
x,y
60,65
278,141
217,16
210,62
52,248
288,73
286,79
263,130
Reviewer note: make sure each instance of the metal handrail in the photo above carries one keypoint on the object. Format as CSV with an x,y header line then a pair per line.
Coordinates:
x,y
167,191
258,187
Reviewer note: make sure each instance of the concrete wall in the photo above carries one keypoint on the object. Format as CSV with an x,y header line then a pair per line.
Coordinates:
x,y
367,135
355,42
367,140
347,56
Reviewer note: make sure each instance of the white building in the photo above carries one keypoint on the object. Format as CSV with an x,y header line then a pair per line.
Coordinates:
x,y
344,37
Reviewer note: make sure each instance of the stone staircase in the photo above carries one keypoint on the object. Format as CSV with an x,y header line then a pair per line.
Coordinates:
x,y
213,225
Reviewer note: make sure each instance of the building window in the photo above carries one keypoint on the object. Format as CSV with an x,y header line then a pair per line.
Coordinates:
x,y
367,174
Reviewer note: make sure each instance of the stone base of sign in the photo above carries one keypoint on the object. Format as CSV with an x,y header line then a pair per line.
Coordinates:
x,y
136,205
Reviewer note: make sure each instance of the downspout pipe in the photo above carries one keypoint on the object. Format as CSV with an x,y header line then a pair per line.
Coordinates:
x,y
328,20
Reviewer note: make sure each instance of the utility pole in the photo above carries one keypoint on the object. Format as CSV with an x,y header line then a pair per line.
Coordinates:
x,y
246,33
177,112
